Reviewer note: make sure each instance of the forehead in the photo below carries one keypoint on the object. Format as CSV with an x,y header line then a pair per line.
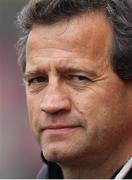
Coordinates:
x,y
87,35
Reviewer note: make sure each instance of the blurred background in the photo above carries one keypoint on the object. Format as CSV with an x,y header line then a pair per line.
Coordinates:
x,y
19,152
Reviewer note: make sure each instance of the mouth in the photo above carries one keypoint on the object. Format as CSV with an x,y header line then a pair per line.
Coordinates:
x,y
60,129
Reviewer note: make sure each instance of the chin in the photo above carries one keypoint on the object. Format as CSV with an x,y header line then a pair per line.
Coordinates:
x,y
57,153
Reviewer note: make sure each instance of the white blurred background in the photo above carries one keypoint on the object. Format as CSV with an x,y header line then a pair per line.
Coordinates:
x,y
19,152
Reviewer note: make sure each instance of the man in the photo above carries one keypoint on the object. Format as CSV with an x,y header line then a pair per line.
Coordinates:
x,y
76,58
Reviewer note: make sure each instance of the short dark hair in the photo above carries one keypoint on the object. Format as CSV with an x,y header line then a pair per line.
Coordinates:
x,y
119,13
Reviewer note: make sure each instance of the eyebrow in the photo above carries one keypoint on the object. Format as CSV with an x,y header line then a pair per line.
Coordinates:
x,y
69,70
61,71
31,73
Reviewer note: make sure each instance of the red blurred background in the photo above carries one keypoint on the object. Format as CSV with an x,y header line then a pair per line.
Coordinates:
x,y
19,152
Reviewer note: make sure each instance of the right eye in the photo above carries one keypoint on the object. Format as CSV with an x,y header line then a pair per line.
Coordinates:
x,y
37,80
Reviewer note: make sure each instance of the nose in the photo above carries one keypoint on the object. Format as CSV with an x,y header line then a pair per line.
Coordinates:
x,y
55,100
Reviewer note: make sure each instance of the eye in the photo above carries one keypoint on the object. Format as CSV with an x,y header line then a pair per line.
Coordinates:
x,y
79,78
37,80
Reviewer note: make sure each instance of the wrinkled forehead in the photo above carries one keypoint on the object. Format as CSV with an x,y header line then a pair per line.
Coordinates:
x,y
89,34
84,25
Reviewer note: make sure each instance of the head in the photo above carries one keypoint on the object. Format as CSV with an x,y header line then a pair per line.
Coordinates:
x,y
50,12
76,57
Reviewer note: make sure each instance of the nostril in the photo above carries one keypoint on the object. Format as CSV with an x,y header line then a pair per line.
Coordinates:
x,y
55,100
57,113
59,108
55,106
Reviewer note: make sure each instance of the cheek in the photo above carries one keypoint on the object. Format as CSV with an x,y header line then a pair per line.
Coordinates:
x,y
103,112
33,112
95,109
90,103
30,106
96,116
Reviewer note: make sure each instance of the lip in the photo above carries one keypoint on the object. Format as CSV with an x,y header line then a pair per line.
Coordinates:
x,y
60,129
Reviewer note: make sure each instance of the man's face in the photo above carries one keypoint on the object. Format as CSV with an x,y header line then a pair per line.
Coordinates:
x,y
78,107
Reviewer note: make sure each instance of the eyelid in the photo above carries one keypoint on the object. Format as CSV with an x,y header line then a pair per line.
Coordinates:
x,y
39,79
79,75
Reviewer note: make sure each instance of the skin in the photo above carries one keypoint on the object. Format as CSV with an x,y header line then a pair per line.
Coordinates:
x,y
80,111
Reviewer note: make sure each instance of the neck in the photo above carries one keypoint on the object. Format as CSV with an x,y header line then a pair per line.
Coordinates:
x,y
103,170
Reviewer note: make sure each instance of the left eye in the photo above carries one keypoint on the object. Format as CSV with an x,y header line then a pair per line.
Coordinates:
x,y
36,80
79,78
